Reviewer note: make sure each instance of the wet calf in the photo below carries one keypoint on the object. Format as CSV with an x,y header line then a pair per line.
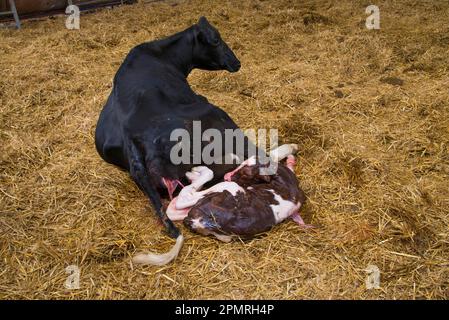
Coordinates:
x,y
248,203
245,204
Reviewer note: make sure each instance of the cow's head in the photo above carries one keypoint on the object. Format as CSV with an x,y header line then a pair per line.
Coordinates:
x,y
210,51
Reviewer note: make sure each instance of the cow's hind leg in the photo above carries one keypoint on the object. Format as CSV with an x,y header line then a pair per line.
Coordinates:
x,y
108,139
141,177
114,155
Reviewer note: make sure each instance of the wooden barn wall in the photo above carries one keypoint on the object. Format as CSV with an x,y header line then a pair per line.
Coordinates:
x,y
33,6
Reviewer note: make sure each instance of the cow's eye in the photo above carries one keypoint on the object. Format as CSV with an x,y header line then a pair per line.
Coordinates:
x,y
215,42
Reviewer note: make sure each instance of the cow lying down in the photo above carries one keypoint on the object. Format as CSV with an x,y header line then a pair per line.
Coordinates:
x,y
245,204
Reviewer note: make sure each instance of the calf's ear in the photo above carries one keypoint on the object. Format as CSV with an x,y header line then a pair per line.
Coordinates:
x,y
265,178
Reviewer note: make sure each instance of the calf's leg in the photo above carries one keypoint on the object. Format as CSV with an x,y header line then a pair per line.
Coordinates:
x,y
283,151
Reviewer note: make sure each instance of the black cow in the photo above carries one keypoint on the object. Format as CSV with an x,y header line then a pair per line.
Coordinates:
x,y
150,98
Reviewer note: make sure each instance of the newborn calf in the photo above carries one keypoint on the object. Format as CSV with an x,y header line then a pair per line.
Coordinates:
x,y
246,204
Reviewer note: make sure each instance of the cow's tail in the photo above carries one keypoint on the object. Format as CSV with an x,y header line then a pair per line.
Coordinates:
x,y
160,259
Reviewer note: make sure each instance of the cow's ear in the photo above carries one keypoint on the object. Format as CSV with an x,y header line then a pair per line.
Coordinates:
x,y
207,34
203,23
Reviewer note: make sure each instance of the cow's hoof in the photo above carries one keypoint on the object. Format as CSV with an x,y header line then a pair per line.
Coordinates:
x,y
171,229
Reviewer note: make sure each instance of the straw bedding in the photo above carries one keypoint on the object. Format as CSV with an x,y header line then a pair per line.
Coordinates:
x,y
369,110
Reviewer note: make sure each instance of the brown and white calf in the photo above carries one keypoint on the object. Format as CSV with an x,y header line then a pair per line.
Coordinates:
x,y
245,204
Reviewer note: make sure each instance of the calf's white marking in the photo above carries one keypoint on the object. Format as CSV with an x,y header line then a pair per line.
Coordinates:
x,y
284,208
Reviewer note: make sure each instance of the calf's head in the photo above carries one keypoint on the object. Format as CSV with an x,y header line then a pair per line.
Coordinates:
x,y
210,52
250,175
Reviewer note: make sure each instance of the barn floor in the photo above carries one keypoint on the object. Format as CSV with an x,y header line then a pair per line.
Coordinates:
x,y
369,109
